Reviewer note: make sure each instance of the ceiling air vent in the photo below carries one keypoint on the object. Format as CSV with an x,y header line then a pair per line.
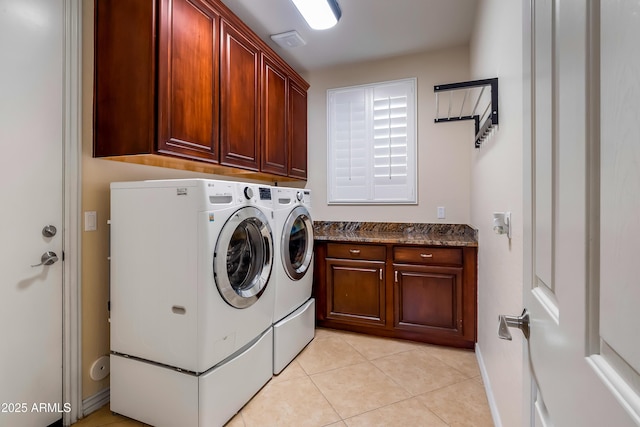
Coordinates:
x,y
289,39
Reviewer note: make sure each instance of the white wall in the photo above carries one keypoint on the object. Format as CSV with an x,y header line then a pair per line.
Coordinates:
x,y
496,177
443,149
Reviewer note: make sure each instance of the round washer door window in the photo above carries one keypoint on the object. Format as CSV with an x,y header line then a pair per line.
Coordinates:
x,y
297,243
243,258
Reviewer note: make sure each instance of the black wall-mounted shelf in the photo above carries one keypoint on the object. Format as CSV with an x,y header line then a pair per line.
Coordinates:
x,y
475,89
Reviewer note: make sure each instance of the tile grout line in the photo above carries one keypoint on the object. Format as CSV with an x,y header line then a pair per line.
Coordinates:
x,y
394,403
424,350
325,398
334,369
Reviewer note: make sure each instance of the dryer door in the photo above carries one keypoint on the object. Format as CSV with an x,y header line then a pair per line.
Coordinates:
x,y
297,243
243,258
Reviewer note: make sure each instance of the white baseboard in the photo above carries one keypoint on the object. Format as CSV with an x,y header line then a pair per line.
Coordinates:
x,y
487,387
95,402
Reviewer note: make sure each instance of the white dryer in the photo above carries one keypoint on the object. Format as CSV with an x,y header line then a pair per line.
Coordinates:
x,y
191,299
294,313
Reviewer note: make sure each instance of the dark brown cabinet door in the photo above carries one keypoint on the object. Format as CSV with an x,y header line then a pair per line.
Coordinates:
x,y
188,79
124,78
274,118
356,292
239,100
298,132
428,299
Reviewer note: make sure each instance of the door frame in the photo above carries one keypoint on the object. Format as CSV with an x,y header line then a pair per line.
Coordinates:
x,y
528,84
71,237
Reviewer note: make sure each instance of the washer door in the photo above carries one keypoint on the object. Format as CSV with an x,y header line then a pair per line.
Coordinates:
x,y
297,243
243,258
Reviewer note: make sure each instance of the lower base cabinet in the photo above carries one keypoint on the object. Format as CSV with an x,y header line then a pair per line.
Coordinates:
x,y
420,293
356,292
428,299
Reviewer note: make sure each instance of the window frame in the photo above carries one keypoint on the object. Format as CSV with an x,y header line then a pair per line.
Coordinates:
x,y
369,189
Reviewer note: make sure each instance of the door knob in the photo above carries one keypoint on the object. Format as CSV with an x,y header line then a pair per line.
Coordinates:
x,y
521,322
47,258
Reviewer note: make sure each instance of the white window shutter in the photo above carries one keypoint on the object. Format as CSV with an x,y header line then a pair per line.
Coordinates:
x,y
393,143
372,143
349,154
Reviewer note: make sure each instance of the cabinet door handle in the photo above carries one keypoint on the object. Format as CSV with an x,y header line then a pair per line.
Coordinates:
x,y
354,251
395,275
380,274
426,255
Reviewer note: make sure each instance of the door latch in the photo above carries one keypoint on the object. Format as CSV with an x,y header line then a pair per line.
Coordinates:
x,y
505,322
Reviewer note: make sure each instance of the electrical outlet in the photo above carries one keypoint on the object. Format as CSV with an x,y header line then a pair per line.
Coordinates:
x,y
441,212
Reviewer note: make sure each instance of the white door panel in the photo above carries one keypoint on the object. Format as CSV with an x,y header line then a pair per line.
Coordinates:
x,y
31,131
582,204
620,178
545,125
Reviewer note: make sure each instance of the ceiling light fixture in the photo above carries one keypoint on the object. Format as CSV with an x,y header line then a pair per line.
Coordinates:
x,y
319,14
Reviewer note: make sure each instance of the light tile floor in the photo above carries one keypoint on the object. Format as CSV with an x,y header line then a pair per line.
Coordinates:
x,y
347,379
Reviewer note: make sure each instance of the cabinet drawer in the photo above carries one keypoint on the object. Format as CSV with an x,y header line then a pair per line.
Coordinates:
x,y
352,251
424,255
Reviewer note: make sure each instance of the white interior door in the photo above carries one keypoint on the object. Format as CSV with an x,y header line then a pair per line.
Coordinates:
x,y
582,201
31,172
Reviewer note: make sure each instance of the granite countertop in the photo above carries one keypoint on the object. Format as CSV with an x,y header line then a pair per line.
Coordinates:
x,y
396,232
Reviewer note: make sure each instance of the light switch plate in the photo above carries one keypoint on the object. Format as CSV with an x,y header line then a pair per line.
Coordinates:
x,y
90,221
441,212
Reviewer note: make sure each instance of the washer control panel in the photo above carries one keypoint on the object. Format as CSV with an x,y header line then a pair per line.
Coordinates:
x,y
265,193
248,193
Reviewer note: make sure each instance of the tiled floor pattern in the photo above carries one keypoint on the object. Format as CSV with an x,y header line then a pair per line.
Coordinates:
x,y
346,379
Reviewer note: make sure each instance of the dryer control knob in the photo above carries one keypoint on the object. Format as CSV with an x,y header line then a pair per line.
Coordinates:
x,y
299,196
248,193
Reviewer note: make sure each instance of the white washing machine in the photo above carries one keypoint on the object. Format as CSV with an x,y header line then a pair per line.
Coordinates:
x,y
294,313
191,299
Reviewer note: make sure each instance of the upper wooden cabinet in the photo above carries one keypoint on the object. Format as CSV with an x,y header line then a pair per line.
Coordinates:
x,y
186,84
274,118
127,66
240,99
283,121
124,78
297,130
188,79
